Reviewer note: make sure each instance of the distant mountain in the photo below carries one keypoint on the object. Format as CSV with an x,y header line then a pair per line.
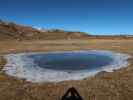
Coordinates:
x,y
10,30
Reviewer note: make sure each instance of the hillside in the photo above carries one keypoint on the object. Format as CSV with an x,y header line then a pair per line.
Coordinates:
x,y
10,30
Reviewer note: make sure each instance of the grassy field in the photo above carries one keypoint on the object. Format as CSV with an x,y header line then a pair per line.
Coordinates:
x,y
117,85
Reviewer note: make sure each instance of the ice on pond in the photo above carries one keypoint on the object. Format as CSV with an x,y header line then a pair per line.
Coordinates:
x,y
61,66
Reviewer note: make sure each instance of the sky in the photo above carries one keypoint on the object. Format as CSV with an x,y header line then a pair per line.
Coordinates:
x,y
97,17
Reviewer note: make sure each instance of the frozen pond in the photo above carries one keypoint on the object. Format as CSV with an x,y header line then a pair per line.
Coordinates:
x,y
60,66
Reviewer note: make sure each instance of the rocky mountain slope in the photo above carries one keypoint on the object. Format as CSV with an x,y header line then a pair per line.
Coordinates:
x,y
10,30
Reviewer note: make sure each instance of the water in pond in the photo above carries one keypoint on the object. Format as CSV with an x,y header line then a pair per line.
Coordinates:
x,y
71,61
61,66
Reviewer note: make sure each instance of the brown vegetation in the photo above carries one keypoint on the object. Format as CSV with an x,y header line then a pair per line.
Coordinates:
x,y
116,85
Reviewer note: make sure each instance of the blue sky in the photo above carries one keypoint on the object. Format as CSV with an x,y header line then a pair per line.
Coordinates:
x,y
98,17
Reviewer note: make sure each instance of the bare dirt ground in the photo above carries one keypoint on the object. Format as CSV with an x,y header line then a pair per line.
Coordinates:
x,y
117,85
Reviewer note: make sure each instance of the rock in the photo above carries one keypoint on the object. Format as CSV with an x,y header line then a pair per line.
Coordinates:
x,y
2,62
101,73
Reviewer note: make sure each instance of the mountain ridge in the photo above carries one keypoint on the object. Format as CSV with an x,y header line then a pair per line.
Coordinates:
x,y
11,30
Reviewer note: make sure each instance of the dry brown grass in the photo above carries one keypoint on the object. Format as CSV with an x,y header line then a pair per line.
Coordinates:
x,y
117,85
